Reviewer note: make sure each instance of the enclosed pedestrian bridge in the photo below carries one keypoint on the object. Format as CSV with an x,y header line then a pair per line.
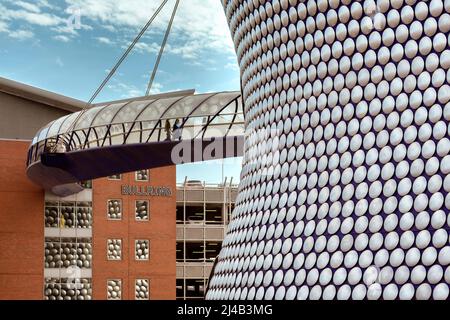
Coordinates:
x,y
135,134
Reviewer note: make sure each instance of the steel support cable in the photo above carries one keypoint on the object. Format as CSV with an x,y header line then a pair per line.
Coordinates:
x,y
124,56
161,50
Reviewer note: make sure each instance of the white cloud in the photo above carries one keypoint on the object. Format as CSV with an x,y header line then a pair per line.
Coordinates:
x,y
105,40
156,88
65,29
199,24
28,6
21,34
38,13
44,4
33,18
232,66
110,28
3,26
61,38
26,14
144,47
125,90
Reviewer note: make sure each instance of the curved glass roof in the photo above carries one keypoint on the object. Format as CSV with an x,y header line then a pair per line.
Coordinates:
x,y
143,120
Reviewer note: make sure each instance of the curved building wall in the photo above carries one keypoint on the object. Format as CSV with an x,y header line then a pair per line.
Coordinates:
x,y
345,180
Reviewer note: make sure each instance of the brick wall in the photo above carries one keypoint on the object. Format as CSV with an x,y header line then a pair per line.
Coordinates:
x,y
160,269
22,232
21,226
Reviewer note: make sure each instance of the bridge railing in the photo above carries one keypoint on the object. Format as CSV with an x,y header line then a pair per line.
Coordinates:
x,y
196,127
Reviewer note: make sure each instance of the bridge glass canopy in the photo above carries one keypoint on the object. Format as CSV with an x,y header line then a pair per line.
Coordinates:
x,y
143,120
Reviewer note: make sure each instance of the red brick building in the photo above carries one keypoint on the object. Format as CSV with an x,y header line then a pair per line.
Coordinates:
x,y
41,235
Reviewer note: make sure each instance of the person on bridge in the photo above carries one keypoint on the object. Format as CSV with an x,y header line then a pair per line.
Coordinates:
x,y
167,129
176,130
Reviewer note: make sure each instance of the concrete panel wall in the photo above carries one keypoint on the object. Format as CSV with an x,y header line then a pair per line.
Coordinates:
x,y
21,118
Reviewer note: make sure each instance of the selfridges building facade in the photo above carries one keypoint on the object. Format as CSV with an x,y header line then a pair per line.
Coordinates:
x,y
345,180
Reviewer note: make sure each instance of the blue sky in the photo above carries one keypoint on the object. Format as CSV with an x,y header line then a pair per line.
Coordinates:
x,y
68,47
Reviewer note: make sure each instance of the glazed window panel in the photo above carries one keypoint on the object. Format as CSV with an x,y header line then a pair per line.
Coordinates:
x,y
195,251
51,214
84,253
212,250
142,250
180,214
84,290
67,289
114,249
195,214
195,288
142,210
52,289
115,177
80,289
114,209
114,289
180,251
68,252
214,213
52,253
84,215
180,289
67,215
142,175
142,290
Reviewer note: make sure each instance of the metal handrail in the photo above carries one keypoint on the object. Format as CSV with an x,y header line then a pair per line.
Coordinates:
x,y
148,129
42,146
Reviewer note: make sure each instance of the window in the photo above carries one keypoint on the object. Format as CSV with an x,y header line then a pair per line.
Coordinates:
x,y
115,209
142,207
195,251
142,249
114,289
84,215
195,214
180,214
68,214
53,253
195,288
84,253
66,289
141,289
67,252
214,213
52,214
180,289
142,175
180,251
212,250
115,177
114,249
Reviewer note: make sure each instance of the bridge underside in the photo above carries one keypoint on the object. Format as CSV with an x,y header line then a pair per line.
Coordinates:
x,y
61,172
